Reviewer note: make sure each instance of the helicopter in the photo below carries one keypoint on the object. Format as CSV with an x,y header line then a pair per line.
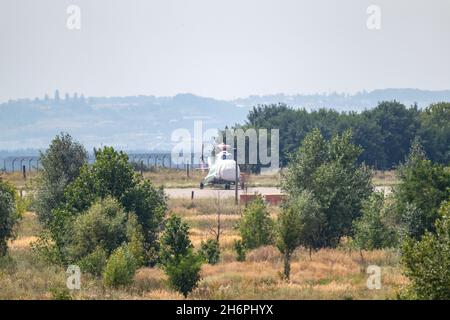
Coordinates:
x,y
222,168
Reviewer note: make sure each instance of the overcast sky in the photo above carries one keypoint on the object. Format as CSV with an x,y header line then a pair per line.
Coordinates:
x,y
221,48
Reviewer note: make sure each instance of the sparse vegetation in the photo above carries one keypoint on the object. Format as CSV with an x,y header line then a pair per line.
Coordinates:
x,y
240,249
120,268
299,223
373,230
256,225
9,215
427,262
328,170
178,260
210,251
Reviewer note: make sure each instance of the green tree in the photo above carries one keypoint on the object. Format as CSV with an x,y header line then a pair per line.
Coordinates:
x,y
112,176
427,262
95,262
178,260
399,126
184,275
9,215
174,241
328,169
120,268
372,230
60,165
210,251
423,187
435,132
103,225
240,249
300,222
256,226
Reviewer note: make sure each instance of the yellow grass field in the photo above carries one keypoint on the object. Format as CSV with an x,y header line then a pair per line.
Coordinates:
x,y
170,178
329,274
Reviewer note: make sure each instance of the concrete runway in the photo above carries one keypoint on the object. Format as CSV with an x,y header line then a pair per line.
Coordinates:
x,y
213,193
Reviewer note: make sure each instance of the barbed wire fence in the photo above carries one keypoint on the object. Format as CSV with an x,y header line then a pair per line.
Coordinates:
x,y
143,161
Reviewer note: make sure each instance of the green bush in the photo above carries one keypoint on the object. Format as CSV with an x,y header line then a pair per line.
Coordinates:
x,y
60,293
210,251
240,249
184,273
112,176
427,262
120,268
60,165
97,207
423,186
104,225
179,262
256,226
95,262
371,230
9,215
299,223
174,241
136,241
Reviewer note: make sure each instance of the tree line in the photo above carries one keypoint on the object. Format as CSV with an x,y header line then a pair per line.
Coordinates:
x,y
385,132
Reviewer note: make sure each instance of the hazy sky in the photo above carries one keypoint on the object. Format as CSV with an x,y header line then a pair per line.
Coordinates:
x,y
221,48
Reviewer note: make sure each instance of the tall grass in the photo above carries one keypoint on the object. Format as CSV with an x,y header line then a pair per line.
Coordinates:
x,y
328,274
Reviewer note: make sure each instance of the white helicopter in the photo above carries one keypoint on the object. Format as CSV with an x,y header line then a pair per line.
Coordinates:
x,y
222,168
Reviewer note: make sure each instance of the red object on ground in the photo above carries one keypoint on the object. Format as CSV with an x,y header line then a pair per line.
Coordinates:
x,y
245,198
274,199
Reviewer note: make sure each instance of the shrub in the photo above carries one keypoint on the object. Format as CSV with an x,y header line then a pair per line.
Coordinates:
x,y
256,226
210,251
184,273
174,242
423,186
240,249
177,258
120,268
104,225
9,215
94,263
371,230
7,264
58,293
112,176
136,241
427,262
60,165
300,222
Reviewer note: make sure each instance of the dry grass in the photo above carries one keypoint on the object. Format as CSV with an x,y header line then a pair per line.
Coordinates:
x,y
171,178
168,178
16,179
329,274
385,178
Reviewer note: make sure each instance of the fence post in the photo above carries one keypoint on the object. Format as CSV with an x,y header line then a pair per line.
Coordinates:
x,y
24,172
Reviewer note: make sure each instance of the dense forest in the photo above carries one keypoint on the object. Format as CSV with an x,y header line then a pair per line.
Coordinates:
x,y
385,132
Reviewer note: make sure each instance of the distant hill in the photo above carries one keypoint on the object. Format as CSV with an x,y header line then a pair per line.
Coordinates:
x,y
129,123
356,102
146,122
